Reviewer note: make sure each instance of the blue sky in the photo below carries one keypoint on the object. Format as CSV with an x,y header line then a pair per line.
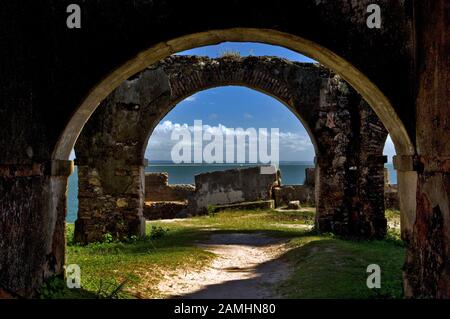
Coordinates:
x,y
245,49
234,107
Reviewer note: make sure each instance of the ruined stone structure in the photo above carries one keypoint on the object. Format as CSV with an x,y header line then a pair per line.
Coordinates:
x,y
54,78
391,199
163,200
233,186
348,136
304,193
243,188
157,189
165,210
286,193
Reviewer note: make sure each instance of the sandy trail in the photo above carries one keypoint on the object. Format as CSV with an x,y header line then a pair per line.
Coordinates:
x,y
246,267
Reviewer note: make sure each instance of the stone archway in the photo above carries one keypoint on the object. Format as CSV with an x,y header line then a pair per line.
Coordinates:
x,y
50,94
369,91
347,135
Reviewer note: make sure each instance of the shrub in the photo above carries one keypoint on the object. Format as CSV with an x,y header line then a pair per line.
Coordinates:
x,y
157,232
108,238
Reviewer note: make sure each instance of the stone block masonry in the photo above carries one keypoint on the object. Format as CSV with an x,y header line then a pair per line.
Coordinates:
x,y
157,189
232,186
110,202
165,210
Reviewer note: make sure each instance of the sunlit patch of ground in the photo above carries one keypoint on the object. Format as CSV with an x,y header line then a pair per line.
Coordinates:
x,y
179,254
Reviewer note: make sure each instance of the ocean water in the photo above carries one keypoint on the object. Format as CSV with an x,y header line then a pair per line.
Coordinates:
x,y
291,173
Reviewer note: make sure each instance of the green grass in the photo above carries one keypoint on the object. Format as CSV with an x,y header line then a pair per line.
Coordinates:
x,y
323,266
327,267
139,263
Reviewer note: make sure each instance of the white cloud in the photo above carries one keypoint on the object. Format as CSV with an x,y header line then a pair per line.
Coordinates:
x,y
293,146
248,116
191,98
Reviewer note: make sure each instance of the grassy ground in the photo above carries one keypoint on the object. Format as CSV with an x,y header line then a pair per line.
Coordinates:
x,y
324,266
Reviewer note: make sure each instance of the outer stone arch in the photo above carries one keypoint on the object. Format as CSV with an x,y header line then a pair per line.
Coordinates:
x,y
370,92
111,148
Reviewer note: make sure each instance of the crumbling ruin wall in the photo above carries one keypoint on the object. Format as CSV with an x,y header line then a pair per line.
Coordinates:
x,y
286,193
304,193
110,201
233,186
165,210
157,189
391,198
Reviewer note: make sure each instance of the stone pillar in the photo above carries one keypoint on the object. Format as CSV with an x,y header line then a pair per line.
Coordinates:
x,y
369,208
333,130
369,204
350,165
427,233
424,192
32,224
110,201
331,209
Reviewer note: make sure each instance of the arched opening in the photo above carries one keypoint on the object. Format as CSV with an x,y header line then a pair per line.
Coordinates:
x,y
391,192
335,34
318,97
227,108
229,114
368,90
181,97
361,83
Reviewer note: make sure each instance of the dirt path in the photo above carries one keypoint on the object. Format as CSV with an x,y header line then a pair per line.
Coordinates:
x,y
246,267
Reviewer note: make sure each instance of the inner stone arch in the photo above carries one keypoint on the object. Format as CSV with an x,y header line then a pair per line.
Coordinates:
x,y
343,128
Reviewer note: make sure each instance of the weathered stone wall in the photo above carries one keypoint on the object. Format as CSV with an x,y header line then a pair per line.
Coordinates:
x,y
310,176
110,201
370,202
32,195
426,229
349,165
165,210
305,193
232,186
157,189
286,193
391,198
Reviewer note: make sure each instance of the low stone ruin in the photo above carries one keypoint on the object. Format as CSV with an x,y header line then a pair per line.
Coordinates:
x,y
391,199
157,188
234,186
240,188
305,193
163,200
